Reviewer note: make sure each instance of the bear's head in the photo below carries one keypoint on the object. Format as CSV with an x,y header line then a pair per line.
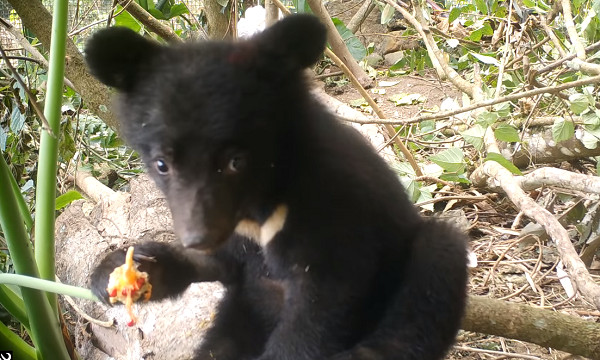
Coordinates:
x,y
212,120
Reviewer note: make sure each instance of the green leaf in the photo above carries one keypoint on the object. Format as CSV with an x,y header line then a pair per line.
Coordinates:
x,y
302,7
358,102
578,103
487,29
425,195
507,133
502,161
476,35
484,58
503,110
459,178
126,20
482,6
387,13
500,12
356,48
157,14
177,10
590,138
454,14
487,118
67,198
562,130
66,145
591,118
451,160
406,176
407,99
3,138
474,136
17,120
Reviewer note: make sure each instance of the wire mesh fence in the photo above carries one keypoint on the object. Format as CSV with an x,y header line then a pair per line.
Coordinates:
x,y
85,16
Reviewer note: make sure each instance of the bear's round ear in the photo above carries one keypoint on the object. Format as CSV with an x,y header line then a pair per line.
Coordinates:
x,y
115,56
297,40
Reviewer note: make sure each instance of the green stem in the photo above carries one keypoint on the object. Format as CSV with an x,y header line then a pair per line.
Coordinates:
x,y
14,304
23,208
47,167
11,341
45,285
45,328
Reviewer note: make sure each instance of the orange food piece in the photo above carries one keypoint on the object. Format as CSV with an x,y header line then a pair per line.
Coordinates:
x,y
126,284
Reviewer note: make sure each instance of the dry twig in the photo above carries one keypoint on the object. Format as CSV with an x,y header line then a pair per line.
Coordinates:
x,y
573,36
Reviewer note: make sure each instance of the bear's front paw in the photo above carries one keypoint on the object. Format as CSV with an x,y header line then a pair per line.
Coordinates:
x,y
169,270
101,274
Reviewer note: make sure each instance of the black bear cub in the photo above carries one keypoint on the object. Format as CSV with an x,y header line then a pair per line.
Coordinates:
x,y
322,253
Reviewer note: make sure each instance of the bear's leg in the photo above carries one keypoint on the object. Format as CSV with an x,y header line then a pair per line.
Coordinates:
x,y
424,317
244,321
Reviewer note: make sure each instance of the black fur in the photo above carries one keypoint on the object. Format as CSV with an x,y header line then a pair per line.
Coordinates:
x,y
230,133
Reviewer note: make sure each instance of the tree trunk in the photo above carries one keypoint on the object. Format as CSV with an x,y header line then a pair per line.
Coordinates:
x,y
272,14
218,23
538,147
542,327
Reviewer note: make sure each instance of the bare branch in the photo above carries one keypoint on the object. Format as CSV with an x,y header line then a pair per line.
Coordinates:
x,y
573,36
486,103
595,46
550,32
360,16
338,46
548,176
584,67
491,172
150,21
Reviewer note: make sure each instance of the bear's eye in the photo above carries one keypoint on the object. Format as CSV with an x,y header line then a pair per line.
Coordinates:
x,y
236,164
161,167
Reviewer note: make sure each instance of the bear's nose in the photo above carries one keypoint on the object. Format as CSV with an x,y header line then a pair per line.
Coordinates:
x,y
202,240
192,241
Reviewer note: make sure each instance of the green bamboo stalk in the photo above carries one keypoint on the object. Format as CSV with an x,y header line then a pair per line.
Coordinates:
x,y
47,166
11,341
45,328
46,285
14,305
23,208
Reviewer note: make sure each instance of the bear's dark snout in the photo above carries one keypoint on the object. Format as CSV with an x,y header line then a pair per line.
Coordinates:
x,y
196,224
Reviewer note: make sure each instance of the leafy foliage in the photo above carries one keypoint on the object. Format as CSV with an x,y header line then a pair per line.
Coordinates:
x,y
357,49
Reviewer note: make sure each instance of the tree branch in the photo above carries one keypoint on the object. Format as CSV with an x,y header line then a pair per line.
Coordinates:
x,y
548,176
338,46
155,25
573,36
486,103
538,326
491,172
